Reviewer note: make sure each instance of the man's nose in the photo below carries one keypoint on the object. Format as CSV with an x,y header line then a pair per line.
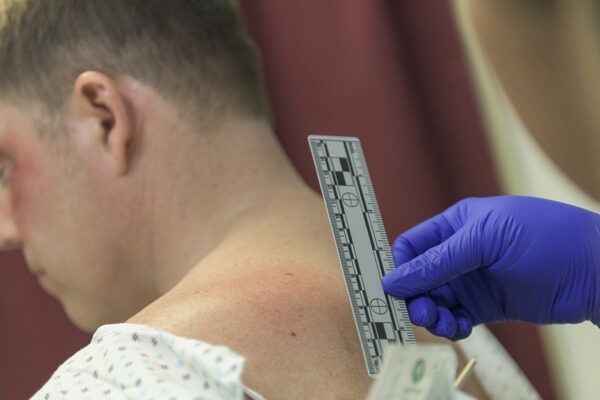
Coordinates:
x,y
9,234
9,239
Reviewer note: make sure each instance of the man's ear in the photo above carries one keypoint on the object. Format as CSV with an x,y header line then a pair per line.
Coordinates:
x,y
102,109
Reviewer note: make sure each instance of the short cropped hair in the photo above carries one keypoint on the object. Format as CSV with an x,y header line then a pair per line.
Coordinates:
x,y
195,53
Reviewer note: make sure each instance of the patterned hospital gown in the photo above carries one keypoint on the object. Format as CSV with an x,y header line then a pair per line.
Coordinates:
x,y
129,361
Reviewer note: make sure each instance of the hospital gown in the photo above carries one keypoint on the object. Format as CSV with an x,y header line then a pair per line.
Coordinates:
x,y
130,361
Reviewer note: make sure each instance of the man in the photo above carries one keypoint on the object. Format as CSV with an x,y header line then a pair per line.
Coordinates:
x,y
142,180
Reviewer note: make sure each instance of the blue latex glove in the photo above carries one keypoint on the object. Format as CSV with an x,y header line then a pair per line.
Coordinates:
x,y
492,259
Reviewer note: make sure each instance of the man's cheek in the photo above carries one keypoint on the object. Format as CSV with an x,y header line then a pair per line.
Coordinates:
x,y
28,195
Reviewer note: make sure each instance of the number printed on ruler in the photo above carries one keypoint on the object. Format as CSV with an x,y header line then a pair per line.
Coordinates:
x,y
362,245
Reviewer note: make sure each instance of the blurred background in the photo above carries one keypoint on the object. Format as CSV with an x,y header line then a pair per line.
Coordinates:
x,y
535,70
450,98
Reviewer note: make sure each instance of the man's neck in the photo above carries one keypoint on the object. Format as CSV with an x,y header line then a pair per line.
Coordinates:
x,y
221,186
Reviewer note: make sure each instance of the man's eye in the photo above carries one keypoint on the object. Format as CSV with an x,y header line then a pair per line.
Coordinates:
x,y
4,175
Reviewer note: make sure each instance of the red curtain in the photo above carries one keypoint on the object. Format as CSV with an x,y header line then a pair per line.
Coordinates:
x,y
389,72
35,334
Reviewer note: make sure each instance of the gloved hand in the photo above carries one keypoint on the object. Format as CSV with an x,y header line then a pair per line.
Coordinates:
x,y
491,259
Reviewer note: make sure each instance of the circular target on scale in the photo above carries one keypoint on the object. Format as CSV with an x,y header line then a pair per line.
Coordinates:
x,y
350,199
378,306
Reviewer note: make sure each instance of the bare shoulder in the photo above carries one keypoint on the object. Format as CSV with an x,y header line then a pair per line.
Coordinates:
x,y
293,324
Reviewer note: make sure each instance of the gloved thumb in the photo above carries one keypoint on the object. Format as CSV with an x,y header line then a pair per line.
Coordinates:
x,y
435,267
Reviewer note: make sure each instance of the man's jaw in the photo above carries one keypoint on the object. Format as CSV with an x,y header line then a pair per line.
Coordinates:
x,y
42,277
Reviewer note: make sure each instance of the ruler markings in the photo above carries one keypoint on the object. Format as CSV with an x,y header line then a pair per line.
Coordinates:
x,y
362,245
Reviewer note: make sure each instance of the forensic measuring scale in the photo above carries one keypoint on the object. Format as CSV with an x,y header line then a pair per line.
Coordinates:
x,y
362,245
365,257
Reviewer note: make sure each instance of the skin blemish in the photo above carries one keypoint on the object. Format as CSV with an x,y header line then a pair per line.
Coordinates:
x,y
293,334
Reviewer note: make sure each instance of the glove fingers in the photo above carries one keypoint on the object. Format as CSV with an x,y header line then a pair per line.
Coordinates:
x,y
446,325
422,310
420,238
455,324
444,296
435,267
402,251
464,323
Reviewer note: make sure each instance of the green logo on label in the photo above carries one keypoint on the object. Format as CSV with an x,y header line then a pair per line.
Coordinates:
x,y
418,370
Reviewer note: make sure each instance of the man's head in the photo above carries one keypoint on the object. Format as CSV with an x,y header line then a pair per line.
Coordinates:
x,y
103,163
196,53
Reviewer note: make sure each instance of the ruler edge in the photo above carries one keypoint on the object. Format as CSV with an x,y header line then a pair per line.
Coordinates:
x,y
310,138
330,137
